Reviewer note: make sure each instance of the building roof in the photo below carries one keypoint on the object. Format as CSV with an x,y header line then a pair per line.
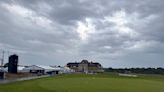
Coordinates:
x,y
84,62
90,64
94,64
73,64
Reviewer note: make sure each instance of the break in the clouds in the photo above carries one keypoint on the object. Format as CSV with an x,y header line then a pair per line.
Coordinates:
x,y
116,33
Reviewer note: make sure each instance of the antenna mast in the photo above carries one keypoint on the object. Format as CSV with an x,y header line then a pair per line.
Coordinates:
x,y
2,60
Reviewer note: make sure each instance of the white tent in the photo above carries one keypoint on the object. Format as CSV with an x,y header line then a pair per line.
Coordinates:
x,y
2,69
22,69
33,67
49,69
46,68
66,70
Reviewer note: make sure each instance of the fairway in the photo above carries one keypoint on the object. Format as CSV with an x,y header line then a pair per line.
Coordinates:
x,y
88,83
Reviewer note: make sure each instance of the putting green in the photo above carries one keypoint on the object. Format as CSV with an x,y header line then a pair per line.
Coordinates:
x,y
88,83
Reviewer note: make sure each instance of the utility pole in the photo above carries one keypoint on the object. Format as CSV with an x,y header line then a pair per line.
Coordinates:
x,y
8,53
2,60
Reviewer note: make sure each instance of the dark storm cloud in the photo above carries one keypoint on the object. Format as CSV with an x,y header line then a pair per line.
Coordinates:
x,y
127,33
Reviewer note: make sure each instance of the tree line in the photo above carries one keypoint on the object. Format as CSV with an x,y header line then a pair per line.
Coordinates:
x,y
136,70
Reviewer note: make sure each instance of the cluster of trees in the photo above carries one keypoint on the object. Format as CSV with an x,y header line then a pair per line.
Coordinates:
x,y
136,70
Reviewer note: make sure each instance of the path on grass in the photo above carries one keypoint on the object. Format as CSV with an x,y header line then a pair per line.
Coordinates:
x,y
22,79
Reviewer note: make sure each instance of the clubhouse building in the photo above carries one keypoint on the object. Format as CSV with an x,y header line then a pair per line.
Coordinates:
x,y
85,66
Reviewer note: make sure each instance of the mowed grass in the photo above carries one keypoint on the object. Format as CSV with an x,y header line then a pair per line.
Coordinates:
x,y
106,82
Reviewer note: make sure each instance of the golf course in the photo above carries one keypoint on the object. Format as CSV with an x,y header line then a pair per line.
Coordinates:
x,y
103,82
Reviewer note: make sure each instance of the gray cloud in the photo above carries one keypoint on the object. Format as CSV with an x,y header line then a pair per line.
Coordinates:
x,y
113,32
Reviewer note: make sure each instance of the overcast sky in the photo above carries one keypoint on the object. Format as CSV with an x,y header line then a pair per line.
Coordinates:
x,y
116,33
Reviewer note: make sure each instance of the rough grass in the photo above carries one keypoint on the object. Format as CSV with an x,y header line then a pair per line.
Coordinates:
x,y
106,82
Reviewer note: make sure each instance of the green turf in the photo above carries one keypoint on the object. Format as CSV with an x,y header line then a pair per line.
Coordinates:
x,y
89,83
